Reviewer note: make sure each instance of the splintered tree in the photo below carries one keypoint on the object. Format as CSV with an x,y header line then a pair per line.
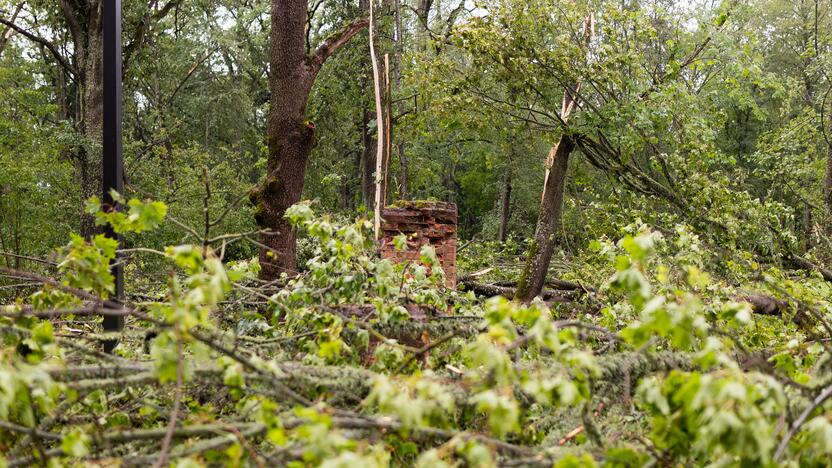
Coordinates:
x,y
551,202
291,137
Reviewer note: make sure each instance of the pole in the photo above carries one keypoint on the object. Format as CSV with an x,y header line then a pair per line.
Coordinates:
x,y
113,164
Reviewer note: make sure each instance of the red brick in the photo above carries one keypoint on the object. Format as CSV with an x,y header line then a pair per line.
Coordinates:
x,y
431,223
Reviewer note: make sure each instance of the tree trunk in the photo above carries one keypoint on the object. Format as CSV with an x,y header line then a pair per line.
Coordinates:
x,y
827,182
90,113
551,202
543,245
808,227
348,186
397,77
368,162
505,208
291,137
423,17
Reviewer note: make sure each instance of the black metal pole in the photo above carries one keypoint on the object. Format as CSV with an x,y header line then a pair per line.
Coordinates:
x,y
113,163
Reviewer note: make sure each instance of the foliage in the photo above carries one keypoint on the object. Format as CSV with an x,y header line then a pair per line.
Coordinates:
x,y
276,386
686,320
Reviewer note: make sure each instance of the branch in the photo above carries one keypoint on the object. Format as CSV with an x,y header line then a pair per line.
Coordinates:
x,y
784,442
335,42
37,39
190,73
71,15
141,31
6,34
804,264
494,290
177,399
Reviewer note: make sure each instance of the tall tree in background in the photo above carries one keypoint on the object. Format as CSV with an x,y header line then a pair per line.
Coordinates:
x,y
827,136
381,123
291,137
827,183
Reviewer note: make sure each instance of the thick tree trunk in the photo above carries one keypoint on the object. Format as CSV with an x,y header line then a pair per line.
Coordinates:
x,y
551,206
291,137
505,208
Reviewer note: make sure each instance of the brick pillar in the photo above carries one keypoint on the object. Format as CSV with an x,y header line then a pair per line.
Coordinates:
x,y
424,222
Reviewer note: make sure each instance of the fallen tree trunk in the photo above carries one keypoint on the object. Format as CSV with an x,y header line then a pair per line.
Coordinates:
x,y
556,284
495,290
766,305
799,262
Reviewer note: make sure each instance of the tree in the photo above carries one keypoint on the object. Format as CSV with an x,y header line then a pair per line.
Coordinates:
x,y
551,201
291,137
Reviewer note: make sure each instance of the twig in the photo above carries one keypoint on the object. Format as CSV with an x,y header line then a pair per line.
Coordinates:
x,y
421,351
26,257
784,442
177,399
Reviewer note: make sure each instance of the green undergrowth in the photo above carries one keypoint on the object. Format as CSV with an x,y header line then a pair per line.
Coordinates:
x,y
659,360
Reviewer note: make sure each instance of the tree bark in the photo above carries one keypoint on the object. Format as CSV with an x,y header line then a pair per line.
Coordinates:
x,y
543,245
368,162
827,182
505,208
423,17
291,137
88,162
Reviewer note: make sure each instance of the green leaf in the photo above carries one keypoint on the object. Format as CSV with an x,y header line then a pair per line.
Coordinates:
x,y
76,443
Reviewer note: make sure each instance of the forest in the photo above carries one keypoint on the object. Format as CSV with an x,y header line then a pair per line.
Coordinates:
x,y
428,233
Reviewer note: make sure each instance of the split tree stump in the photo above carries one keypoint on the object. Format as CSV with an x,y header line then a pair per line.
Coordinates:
x,y
425,223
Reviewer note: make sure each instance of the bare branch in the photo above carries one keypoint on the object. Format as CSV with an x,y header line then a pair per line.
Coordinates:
x,y
819,400
335,42
7,33
39,40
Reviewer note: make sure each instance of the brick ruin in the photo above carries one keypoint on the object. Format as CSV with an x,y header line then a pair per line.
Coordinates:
x,y
424,222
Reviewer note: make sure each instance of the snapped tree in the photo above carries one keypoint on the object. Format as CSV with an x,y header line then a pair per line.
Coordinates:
x,y
551,203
